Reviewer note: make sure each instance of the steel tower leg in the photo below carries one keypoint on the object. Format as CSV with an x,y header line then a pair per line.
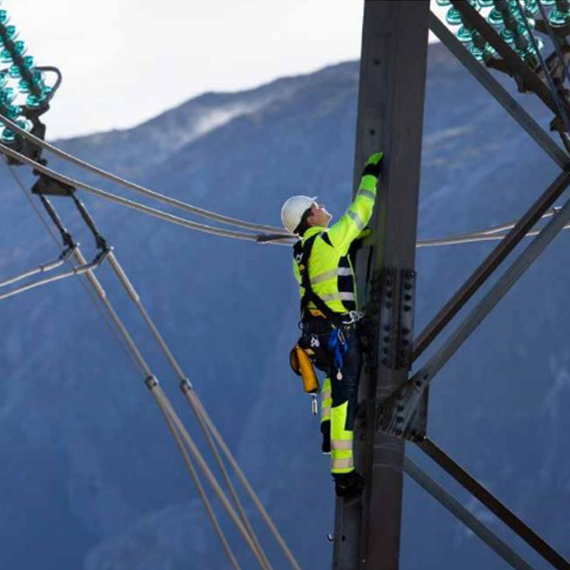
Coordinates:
x,y
390,118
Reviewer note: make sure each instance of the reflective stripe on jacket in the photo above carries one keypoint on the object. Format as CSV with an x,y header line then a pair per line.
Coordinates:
x,y
330,269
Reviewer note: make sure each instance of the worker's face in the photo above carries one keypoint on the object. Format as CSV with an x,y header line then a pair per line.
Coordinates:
x,y
319,216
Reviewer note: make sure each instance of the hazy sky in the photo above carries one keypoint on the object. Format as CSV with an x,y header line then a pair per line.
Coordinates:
x,y
124,61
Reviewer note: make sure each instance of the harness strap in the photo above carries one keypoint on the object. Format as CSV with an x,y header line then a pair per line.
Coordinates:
x,y
309,295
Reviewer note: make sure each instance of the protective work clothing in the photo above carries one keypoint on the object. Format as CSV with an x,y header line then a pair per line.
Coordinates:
x,y
324,271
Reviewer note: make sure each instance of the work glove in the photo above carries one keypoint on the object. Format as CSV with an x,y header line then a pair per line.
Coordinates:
x,y
366,232
373,165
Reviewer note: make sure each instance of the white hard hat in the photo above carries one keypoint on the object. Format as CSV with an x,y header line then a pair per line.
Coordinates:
x,y
293,210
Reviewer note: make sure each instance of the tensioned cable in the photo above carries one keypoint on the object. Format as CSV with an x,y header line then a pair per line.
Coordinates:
x,y
77,270
133,351
87,290
196,479
155,388
451,240
43,268
137,188
129,203
205,423
159,394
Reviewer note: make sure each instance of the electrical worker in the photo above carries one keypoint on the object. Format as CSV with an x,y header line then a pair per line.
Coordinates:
x,y
329,312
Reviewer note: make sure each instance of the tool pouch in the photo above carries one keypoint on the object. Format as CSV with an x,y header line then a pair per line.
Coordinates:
x,y
302,366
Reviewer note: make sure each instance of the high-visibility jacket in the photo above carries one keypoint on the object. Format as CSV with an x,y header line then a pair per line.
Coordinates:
x,y
330,268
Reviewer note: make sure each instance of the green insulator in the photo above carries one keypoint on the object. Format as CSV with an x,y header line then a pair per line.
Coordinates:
x,y
486,3
508,35
8,136
453,17
33,102
47,90
489,52
559,18
25,124
20,47
5,56
548,2
14,111
443,2
4,17
495,18
3,79
530,7
29,61
464,35
14,71
10,32
477,53
23,86
7,96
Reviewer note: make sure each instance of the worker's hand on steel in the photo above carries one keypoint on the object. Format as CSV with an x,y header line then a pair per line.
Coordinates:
x,y
366,232
373,165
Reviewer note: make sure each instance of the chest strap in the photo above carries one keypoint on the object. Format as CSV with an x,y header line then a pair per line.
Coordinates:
x,y
302,256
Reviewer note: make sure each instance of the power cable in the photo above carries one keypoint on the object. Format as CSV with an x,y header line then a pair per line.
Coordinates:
x,y
138,357
205,423
451,240
129,203
136,187
152,384
196,479
51,233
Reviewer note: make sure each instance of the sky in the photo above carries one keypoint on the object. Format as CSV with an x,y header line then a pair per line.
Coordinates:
x,y
125,61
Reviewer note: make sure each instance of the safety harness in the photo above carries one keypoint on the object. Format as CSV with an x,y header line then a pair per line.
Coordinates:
x,y
302,255
336,341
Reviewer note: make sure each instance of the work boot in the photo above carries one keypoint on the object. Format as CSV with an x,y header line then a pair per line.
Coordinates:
x,y
326,431
348,484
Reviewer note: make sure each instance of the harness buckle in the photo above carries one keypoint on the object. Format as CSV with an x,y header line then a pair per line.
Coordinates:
x,y
353,317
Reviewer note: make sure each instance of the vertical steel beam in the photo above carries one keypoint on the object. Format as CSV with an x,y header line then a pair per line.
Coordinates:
x,y
390,118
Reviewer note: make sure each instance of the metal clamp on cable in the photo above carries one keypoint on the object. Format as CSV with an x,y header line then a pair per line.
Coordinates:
x,y
151,382
186,386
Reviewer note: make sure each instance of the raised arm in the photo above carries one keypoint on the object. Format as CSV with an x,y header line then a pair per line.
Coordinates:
x,y
351,224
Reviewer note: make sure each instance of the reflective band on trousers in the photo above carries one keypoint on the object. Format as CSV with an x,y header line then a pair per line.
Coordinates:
x,y
357,220
342,463
326,394
341,445
367,193
338,297
331,275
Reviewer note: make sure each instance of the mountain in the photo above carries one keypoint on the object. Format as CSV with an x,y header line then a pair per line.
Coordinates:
x,y
91,478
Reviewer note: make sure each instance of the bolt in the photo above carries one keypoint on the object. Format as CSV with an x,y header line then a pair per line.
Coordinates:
x,y
419,383
398,432
372,132
406,331
386,339
405,342
385,362
388,305
407,297
387,328
407,308
399,419
400,408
